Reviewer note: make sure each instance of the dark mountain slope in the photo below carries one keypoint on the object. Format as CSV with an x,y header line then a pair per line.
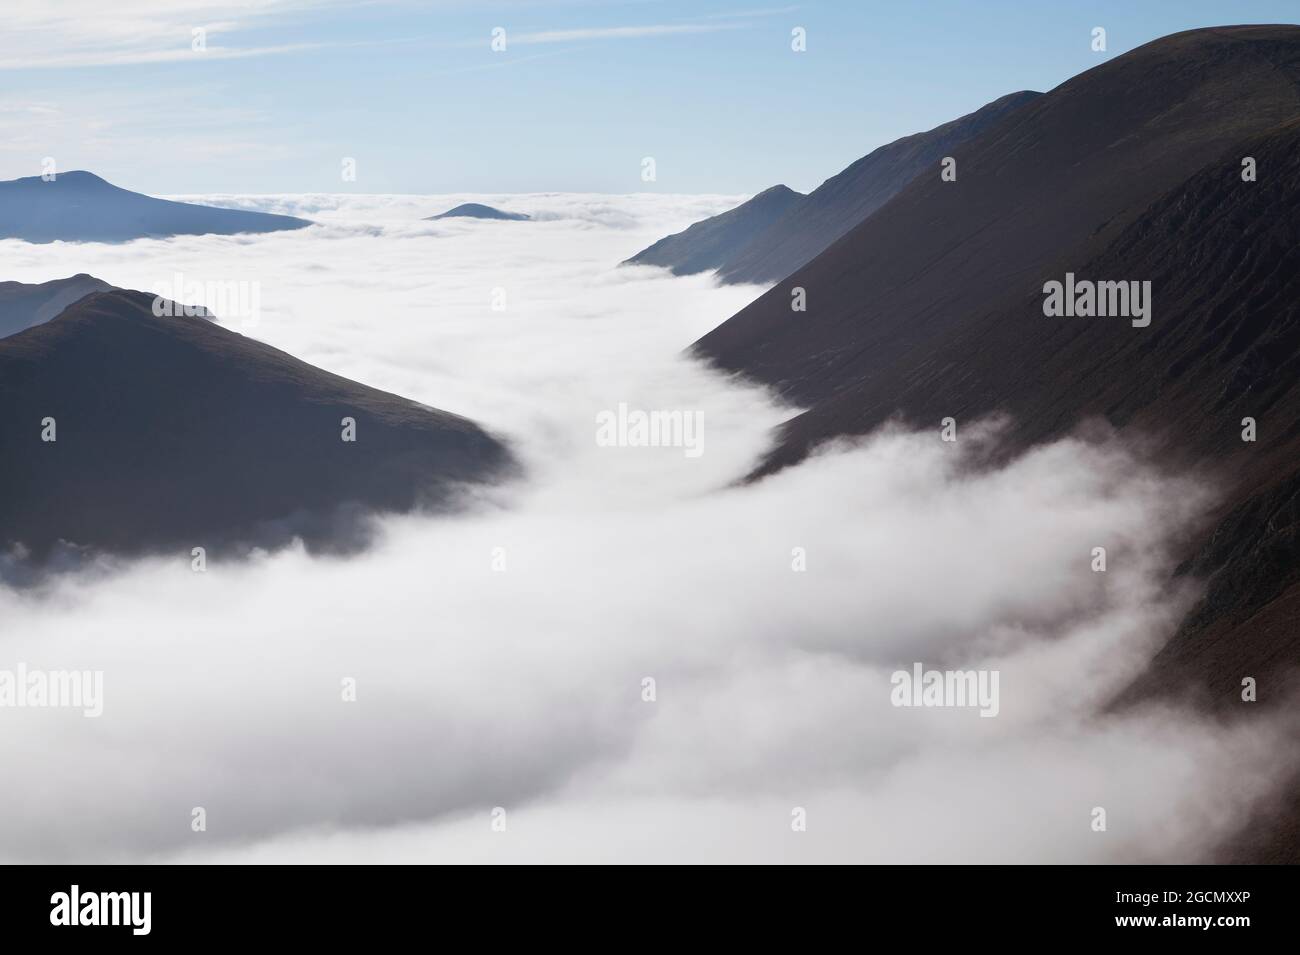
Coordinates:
x,y
844,200
23,305
712,242
1048,188
779,230
174,433
1132,171
1226,256
81,207
475,210
1223,257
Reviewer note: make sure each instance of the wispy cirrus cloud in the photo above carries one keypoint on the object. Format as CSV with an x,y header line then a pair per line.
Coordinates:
x,y
44,61
710,23
619,33
115,130
78,33
85,33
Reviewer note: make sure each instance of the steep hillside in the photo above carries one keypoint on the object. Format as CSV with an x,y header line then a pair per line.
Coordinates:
x,y
24,305
1046,190
844,200
173,433
713,242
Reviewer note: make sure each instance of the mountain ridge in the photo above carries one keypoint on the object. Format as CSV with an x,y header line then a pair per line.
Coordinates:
x,y
774,233
476,210
933,307
710,243
942,254
175,432
23,305
79,206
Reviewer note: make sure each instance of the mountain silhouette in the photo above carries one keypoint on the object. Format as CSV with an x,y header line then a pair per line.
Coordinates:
x,y
81,207
23,305
474,210
174,433
771,235
1043,193
1139,169
713,242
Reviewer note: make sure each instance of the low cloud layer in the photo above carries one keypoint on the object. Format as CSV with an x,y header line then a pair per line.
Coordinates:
x,y
500,655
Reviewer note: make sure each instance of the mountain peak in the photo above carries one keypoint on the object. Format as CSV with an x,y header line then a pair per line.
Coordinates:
x,y
702,246
82,175
476,210
219,438
79,206
779,191
23,305
779,229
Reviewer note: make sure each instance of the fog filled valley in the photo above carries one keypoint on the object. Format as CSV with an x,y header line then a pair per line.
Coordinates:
x,y
499,651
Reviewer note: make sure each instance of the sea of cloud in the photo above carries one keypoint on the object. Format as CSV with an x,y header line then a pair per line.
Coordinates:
x,y
499,654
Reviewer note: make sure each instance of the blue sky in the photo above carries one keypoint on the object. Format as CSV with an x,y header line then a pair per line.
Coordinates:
x,y
583,91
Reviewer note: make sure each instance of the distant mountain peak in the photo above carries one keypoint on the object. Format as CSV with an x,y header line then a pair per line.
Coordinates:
x,y
79,206
79,178
81,175
705,245
24,305
476,210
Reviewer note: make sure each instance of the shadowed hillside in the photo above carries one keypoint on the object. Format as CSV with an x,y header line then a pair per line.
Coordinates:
x,y
713,242
1044,191
777,231
844,200
174,433
23,305
933,307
